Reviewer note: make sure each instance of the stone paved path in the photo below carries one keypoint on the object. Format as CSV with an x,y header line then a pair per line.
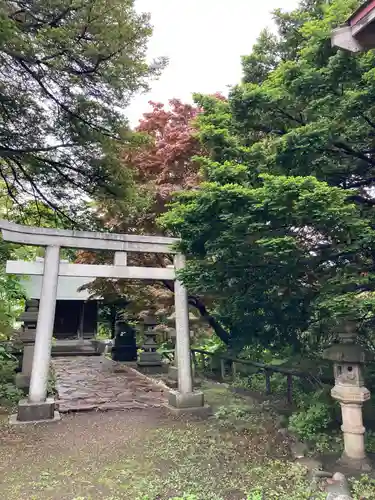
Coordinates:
x,y
97,383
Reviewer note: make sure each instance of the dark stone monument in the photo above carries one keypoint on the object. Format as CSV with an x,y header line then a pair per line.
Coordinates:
x,y
125,346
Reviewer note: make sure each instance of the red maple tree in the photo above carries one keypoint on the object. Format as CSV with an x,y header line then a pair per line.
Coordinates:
x,y
162,163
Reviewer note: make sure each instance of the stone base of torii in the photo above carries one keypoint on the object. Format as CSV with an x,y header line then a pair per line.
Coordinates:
x,y
38,407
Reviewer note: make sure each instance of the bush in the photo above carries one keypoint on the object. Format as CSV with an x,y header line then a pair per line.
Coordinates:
x,y
8,365
363,488
370,441
9,394
233,411
311,421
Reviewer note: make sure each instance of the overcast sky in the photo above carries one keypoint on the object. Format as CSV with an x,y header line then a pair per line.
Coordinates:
x,y
204,41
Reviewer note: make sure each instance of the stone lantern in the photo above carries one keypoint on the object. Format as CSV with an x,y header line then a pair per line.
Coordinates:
x,y
149,358
349,359
26,335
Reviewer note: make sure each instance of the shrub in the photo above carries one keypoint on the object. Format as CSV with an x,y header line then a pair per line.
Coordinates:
x,y
9,394
311,421
8,365
370,441
363,488
279,480
233,411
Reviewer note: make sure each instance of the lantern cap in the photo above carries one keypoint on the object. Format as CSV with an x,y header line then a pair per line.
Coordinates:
x,y
347,331
347,353
150,320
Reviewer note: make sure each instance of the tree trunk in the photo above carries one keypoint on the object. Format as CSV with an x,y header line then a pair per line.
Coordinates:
x,y
113,321
223,335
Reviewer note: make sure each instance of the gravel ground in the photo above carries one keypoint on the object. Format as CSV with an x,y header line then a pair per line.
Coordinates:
x,y
148,455
62,460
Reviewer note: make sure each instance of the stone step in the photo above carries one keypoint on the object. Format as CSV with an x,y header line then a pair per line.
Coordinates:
x,y
74,348
60,354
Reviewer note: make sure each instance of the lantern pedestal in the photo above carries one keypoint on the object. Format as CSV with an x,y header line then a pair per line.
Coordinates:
x,y
349,391
351,402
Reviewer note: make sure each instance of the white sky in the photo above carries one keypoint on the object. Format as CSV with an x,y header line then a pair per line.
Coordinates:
x,y
204,41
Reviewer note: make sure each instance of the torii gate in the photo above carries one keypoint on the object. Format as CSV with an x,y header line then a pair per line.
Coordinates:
x,y
37,407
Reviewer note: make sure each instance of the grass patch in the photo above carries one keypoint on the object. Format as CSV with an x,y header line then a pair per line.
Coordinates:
x,y
236,455
203,462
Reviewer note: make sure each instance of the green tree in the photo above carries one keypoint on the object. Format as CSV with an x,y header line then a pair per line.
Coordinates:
x,y
282,230
31,213
68,68
11,292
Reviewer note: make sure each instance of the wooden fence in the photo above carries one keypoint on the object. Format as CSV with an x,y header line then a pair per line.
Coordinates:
x,y
203,360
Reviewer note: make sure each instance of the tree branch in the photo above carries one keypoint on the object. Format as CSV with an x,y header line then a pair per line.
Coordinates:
x,y
4,149
43,197
350,151
223,335
362,200
363,182
35,77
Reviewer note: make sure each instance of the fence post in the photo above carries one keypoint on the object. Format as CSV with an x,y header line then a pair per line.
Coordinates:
x,y
194,359
268,382
289,380
192,364
222,368
234,369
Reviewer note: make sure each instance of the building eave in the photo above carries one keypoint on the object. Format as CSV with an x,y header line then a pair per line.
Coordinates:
x,y
357,15
358,33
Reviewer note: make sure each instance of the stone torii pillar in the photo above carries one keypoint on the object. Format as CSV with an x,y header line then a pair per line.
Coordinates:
x,y
38,407
185,398
44,327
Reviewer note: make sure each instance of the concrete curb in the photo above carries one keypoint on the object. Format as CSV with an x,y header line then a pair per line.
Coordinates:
x,y
157,383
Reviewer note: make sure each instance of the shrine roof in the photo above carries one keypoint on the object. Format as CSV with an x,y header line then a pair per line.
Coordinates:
x,y
361,12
